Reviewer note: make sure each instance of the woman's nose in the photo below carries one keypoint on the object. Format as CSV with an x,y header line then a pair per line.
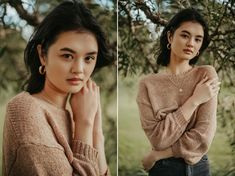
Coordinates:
x,y
78,66
190,42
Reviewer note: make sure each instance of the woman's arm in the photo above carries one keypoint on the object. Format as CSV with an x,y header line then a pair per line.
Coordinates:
x,y
34,144
89,129
194,143
84,106
165,132
153,156
98,141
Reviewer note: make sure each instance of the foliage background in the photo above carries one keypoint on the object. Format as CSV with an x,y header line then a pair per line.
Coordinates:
x,y
17,20
140,23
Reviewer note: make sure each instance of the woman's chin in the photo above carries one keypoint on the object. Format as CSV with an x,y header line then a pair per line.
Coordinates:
x,y
76,89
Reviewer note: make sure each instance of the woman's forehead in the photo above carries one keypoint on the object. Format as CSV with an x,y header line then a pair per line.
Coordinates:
x,y
192,27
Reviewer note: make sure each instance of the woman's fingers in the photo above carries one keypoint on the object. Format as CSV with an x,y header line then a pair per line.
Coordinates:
x,y
203,80
84,103
89,84
216,90
215,85
212,81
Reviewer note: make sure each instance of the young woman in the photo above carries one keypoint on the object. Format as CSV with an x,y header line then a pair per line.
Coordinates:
x,y
178,105
41,137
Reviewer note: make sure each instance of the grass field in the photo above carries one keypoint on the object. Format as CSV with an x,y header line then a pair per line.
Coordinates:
x,y
133,143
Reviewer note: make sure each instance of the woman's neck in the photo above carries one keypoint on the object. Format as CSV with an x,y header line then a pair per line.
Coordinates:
x,y
53,95
178,66
55,98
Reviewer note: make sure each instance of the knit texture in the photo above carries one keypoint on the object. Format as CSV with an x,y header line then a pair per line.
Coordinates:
x,y
160,98
37,140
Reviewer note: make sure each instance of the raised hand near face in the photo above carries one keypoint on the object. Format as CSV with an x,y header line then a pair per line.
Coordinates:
x,y
205,90
84,103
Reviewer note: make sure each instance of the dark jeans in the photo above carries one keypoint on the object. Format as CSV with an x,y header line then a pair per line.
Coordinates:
x,y
177,167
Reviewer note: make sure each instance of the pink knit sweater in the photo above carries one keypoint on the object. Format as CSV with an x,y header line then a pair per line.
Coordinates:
x,y
160,98
38,141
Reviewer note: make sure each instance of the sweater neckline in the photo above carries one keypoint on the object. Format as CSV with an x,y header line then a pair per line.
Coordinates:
x,y
46,103
183,74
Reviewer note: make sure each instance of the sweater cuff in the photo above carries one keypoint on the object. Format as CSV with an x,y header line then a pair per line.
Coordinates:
x,y
179,117
78,147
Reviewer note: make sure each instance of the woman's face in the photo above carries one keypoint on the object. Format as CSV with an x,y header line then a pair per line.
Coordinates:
x,y
70,60
186,40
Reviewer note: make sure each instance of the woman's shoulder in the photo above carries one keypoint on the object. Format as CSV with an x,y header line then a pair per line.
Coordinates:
x,y
23,102
22,96
150,78
207,69
23,109
26,120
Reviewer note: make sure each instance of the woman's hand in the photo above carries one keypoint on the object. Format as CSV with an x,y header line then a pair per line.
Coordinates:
x,y
84,104
154,155
205,90
149,160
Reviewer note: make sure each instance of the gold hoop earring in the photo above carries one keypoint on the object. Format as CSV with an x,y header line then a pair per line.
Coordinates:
x,y
198,53
42,70
168,46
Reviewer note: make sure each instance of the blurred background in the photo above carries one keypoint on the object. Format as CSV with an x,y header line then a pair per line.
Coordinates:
x,y
140,24
17,21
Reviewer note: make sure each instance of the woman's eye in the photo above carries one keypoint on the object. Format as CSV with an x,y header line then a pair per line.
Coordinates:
x,y
184,36
67,56
198,40
89,58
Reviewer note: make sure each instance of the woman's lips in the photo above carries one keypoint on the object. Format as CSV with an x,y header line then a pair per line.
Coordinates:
x,y
188,51
75,81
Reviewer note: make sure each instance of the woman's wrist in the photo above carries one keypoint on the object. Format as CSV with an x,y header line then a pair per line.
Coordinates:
x,y
84,133
98,141
98,134
194,101
85,122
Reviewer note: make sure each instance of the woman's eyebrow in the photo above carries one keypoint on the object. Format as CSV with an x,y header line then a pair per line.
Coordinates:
x,y
199,36
74,52
68,49
92,53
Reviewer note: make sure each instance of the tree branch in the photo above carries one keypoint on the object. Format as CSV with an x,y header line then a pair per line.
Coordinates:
x,y
155,18
3,14
220,21
32,19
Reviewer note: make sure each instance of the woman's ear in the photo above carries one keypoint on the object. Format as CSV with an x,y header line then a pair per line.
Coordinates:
x,y
41,55
169,37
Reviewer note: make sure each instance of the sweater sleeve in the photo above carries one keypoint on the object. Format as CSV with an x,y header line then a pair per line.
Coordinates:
x,y
163,128
29,150
195,142
35,159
